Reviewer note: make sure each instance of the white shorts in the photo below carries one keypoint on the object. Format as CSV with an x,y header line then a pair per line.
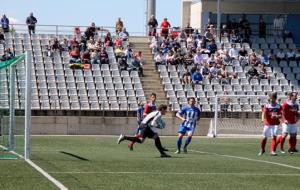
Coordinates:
x,y
270,130
289,128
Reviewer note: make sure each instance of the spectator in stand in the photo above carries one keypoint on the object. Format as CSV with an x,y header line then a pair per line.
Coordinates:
x,y
5,24
215,71
119,25
290,55
159,59
90,31
226,57
234,52
234,37
187,78
244,27
95,57
262,28
82,44
252,73
198,58
263,58
278,26
224,31
262,72
55,47
165,25
221,50
118,42
86,57
197,77
170,58
73,43
136,64
108,40
119,53
77,32
8,54
2,38
64,45
182,36
205,71
31,22
128,53
280,55
152,24
75,55
91,45
124,35
212,47
271,55
104,56
188,29
208,35
189,58
190,41
211,60
243,53
253,61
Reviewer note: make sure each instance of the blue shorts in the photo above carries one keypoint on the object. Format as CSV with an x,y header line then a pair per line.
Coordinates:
x,y
184,130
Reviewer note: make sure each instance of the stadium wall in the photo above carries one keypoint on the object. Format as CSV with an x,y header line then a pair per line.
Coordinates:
x,y
240,7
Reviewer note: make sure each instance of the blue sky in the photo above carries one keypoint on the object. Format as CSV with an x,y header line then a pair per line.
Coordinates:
x,y
102,12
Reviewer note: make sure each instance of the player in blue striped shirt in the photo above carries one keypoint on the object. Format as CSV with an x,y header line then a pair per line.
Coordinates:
x,y
189,115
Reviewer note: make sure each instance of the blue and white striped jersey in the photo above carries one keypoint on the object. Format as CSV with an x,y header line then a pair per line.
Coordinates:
x,y
191,115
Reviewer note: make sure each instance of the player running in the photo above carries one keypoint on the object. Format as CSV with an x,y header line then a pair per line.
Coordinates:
x,y
271,115
290,118
142,112
189,115
148,128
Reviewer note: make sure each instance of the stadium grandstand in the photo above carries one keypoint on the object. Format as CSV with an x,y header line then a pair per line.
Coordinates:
x,y
91,80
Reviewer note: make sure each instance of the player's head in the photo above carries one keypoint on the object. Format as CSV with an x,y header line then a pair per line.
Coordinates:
x,y
292,96
153,97
192,101
273,97
163,109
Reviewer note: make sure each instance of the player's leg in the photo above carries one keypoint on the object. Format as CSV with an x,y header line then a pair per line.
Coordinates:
x,y
129,138
263,142
150,134
188,139
285,132
273,130
181,133
137,134
293,138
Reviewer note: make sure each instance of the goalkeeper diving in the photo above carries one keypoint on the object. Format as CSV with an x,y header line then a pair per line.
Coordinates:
x,y
148,128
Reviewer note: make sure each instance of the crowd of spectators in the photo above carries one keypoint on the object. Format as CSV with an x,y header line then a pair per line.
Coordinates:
x,y
198,52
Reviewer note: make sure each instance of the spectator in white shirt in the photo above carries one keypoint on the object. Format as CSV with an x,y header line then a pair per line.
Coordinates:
x,y
222,50
290,55
278,25
159,59
198,58
124,35
234,52
280,55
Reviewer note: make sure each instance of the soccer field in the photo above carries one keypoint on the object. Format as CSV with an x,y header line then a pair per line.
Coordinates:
x,y
90,162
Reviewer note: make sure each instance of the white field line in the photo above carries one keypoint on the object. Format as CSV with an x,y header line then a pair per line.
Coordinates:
x,y
177,173
40,170
249,159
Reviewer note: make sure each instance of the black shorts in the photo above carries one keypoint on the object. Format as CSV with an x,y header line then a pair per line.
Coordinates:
x,y
146,131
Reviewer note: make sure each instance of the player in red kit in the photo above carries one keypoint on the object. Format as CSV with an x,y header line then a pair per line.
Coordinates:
x,y
290,117
271,115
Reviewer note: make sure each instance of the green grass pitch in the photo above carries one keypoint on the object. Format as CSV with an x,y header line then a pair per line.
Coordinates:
x,y
90,162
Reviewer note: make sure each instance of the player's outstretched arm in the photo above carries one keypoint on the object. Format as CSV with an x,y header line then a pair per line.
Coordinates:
x,y
179,116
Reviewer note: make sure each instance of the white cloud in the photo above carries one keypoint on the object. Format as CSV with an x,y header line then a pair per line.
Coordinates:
x,y
13,20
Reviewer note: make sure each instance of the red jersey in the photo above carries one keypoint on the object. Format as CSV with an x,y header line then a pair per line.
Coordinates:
x,y
149,108
272,110
290,111
165,26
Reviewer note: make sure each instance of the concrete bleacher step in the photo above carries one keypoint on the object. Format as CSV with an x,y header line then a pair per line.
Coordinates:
x,y
151,82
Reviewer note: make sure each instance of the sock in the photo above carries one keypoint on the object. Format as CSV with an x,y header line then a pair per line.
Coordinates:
x,y
187,141
279,138
263,144
291,142
158,145
294,142
273,144
282,140
179,142
133,139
